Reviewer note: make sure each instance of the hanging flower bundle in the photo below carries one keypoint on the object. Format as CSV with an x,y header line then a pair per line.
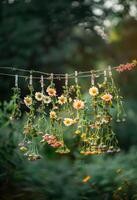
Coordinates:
x,y
49,115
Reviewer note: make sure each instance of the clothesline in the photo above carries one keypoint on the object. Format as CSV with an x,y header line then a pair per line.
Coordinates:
x,y
57,76
49,78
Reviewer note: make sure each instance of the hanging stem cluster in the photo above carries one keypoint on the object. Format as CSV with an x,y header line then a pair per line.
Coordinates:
x,y
49,116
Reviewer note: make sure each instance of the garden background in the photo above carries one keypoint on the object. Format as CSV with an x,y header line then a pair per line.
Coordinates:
x,y
63,36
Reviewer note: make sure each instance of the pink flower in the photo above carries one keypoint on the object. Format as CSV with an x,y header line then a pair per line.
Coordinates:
x,y
126,67
107,97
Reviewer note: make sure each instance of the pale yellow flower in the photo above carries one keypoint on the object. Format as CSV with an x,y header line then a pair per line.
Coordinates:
x,y
70,99
75,120
78,104
53,115
38,96
55,108
68,121
93,91
107,97
62,100
46,99
51,92
28,101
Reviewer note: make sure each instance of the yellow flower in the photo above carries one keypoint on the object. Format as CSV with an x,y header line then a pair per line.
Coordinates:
x,y
68,121
78,104
28,101
46,99
86,179
53,115
93,91
83,135
86,140
62,99
23,149
77,132
38,96
107,97
51,92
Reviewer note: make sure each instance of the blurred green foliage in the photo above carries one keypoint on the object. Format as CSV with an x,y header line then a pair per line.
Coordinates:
x,y
61,36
